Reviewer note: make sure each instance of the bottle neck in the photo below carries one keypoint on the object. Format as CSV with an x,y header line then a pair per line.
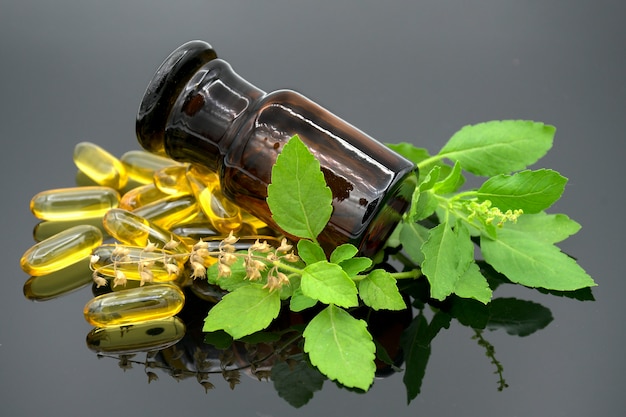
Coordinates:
x,y
165,86
209,104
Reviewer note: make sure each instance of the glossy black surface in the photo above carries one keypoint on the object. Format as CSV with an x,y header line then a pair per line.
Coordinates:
x,y
400,71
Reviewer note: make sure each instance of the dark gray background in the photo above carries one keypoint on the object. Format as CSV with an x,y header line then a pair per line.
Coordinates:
x,y
400,70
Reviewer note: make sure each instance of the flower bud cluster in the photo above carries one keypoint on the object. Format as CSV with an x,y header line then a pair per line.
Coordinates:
x,y
489,215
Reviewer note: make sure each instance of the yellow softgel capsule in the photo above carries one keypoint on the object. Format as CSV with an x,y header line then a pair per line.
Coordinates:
x,y
134,305
141,337
74,203
170,211
132,261
221,212
140,196
132,229
141,165
172,180
99,165
58,283
61,250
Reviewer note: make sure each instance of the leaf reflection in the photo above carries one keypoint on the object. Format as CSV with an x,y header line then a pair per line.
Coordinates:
x,y
404,343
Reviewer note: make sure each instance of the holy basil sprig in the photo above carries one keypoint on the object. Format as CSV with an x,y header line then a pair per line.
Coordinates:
x,y
337,343
506,214
505,217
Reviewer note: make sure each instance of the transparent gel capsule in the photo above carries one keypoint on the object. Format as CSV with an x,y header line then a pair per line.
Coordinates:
x,y
58,283
141,165
134,305
141,337
134,230
100,165
74,203
221,212
164,266
169,211
140,196
61,250
172,180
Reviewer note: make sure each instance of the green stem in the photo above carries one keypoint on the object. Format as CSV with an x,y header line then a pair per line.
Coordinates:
x,y
428,161
414,273
288,268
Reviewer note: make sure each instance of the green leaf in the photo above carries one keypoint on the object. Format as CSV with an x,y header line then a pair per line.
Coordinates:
x,y
354,266
343,252
518,317
300,201
329,284
310,252
410,151
531,191
473,285
299,301
430,180
296,384
447,255
413,236
236,279
244,311
533,263
379,291
452,182
549,228
341,347
499,147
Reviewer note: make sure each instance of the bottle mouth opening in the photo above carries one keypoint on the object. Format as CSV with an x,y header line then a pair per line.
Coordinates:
x,y
163,90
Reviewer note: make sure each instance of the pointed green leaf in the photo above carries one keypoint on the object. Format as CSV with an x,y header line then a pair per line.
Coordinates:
x,y
447,255
452,182
341,347
410,151
329,284
354,266
499,147
236,279
549,228
473,284
244,311
299,301
343,252
413,236
533,263
310,252
531,191
300,201
379,291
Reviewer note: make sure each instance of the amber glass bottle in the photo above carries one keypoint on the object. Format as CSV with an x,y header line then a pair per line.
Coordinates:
x,y
197,109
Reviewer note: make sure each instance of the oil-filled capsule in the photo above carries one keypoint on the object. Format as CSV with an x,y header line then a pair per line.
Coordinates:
x,y
134,305
140,196
141,337
141,165
134,230
133,261
172,180
61,250
74,203
221,212
99,165
170,211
